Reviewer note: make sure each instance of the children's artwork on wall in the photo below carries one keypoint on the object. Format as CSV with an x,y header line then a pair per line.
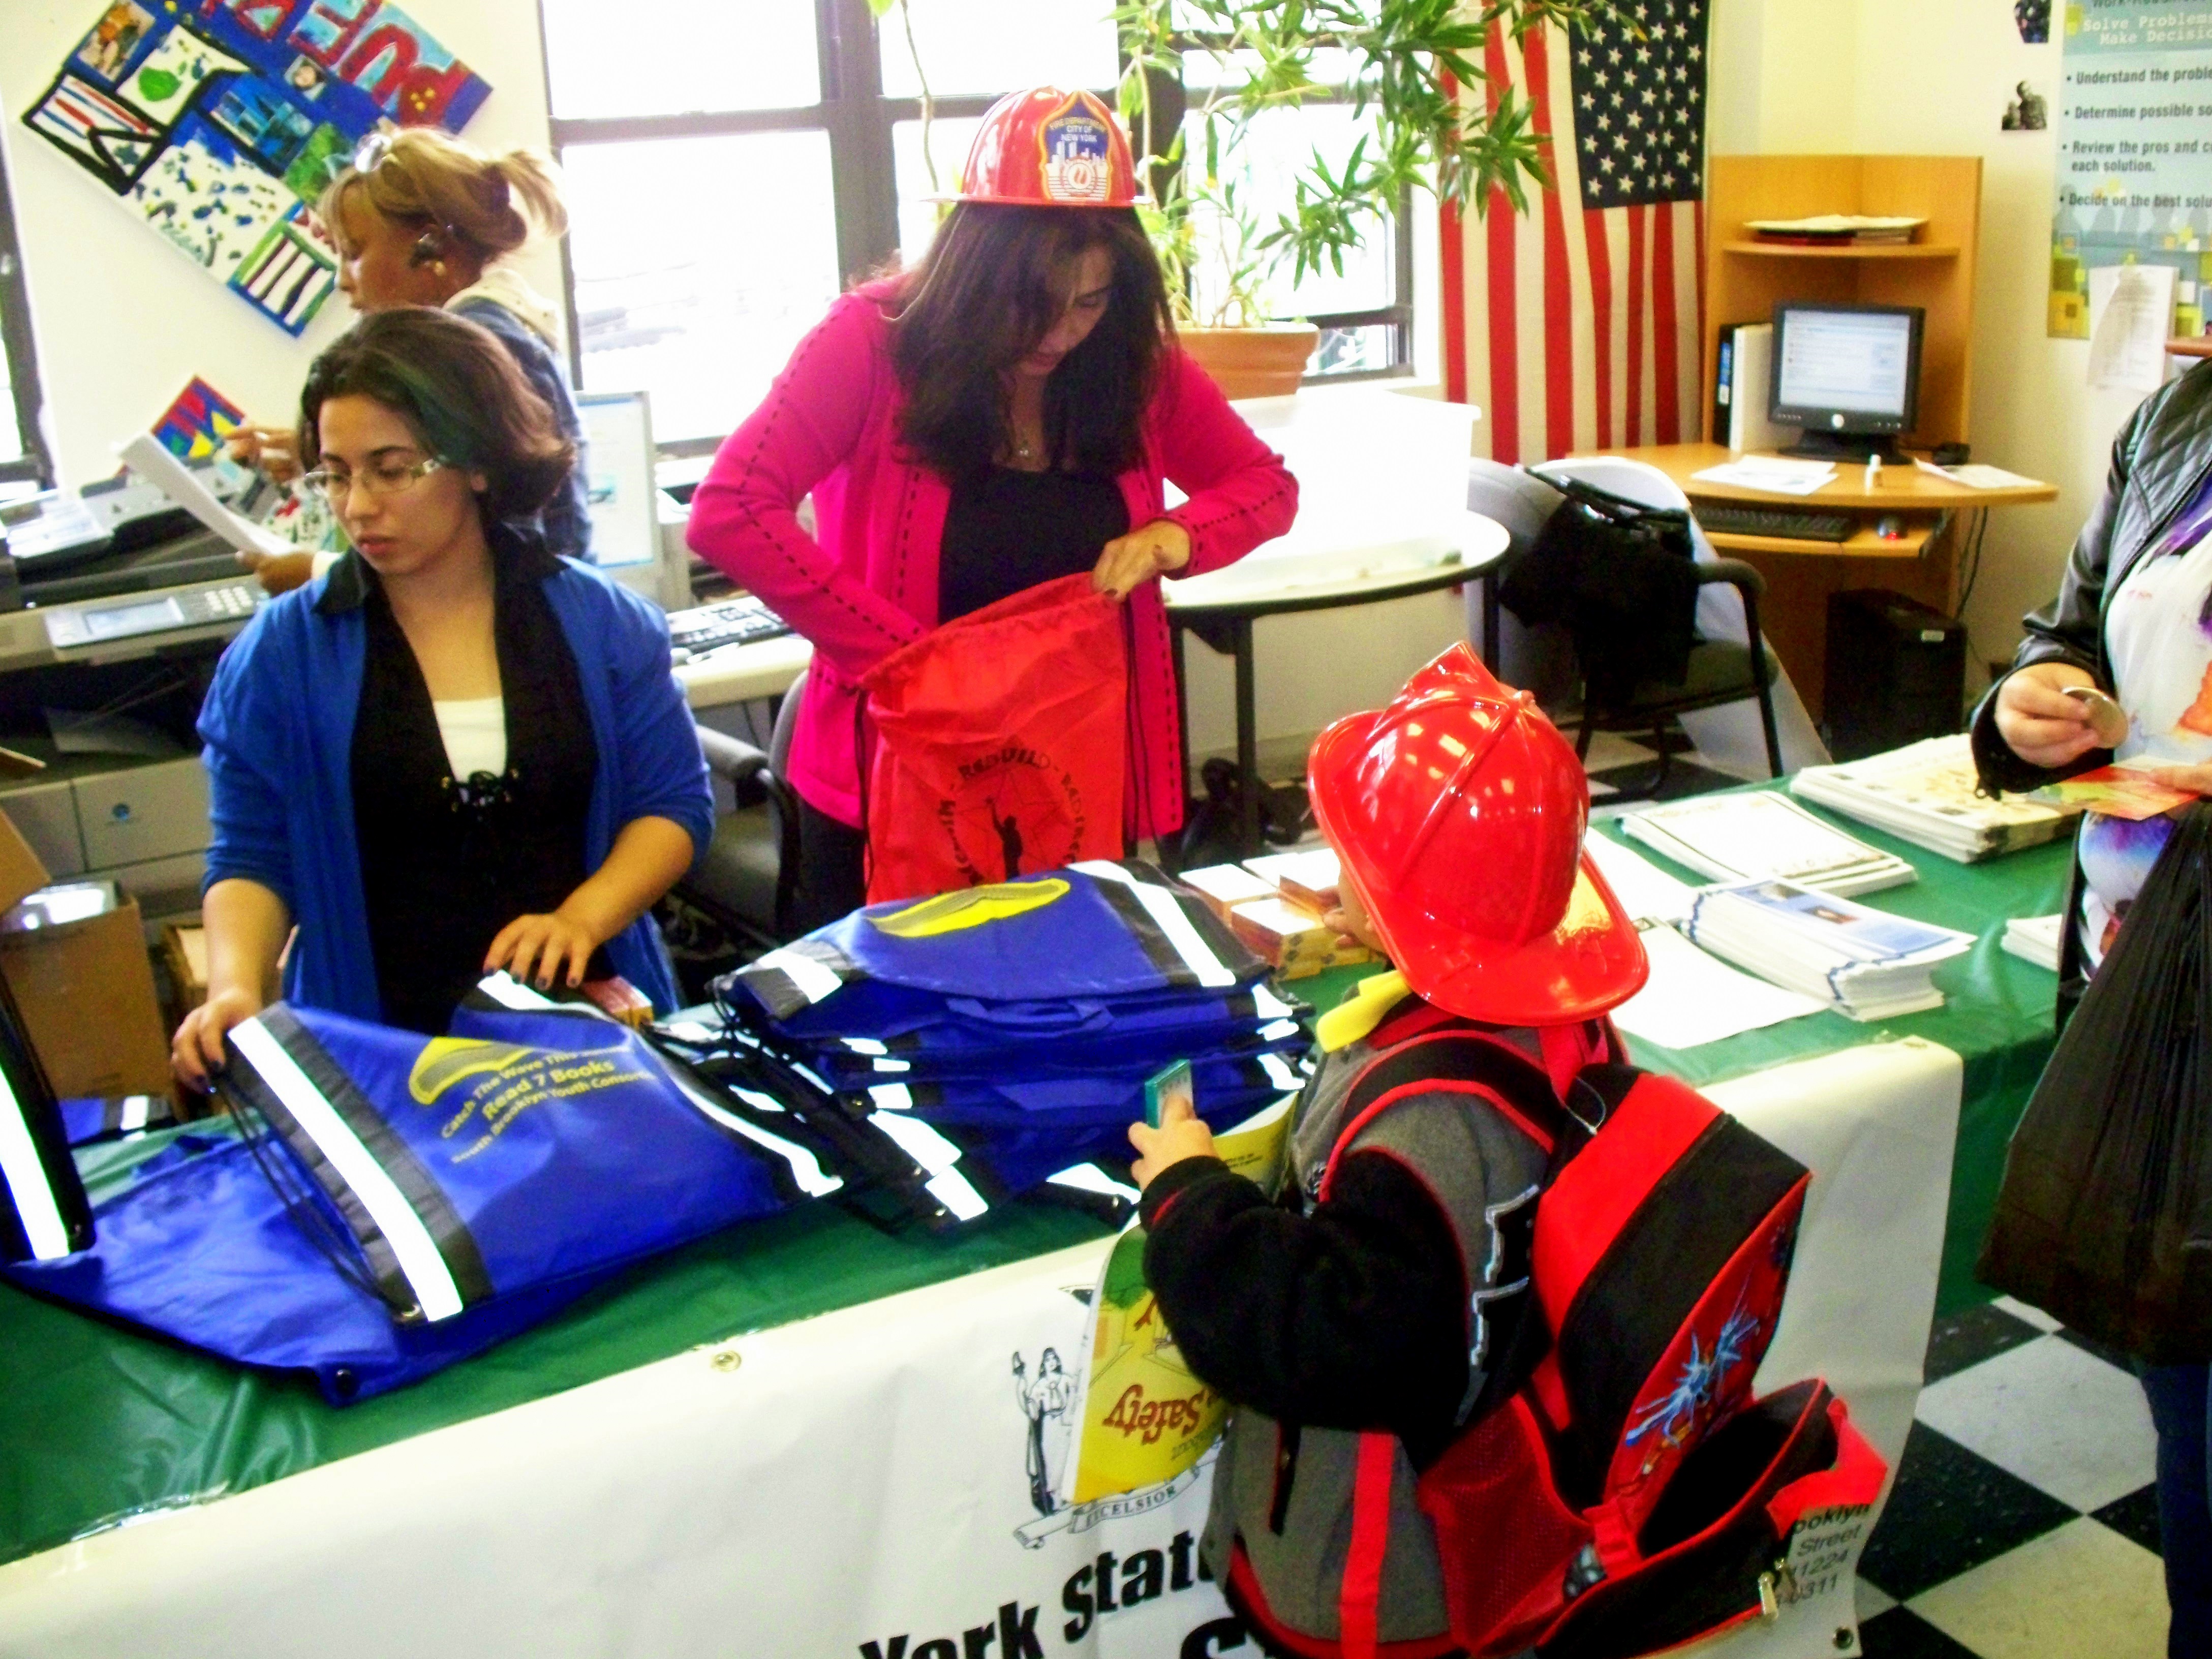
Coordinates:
x,y
220,123
194,426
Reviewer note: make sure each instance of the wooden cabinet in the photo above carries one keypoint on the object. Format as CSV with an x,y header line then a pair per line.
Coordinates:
x,y
1745,279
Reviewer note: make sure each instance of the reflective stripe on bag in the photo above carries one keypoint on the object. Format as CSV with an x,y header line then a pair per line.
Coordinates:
x,y
423,1256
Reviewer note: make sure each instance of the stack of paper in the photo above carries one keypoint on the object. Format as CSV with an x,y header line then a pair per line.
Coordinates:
x,y
1755,837
2035,938
1862,963
1274,905
1924,794
1645,891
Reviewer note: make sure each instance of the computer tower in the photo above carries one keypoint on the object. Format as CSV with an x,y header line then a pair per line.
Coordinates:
x,y
1897,673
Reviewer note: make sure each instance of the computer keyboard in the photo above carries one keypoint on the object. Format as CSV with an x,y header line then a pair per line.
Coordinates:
x,y
743,621
1781,523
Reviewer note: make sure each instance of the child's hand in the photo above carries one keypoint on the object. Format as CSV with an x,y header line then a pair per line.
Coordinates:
x,y
1182,1133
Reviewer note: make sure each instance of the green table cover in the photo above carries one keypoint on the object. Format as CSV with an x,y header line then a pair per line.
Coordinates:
x,y
98,1423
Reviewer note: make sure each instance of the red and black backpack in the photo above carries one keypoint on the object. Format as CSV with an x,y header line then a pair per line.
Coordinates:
x,y
1614,1489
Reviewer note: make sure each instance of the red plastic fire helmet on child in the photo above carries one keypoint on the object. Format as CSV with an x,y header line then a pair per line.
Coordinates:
x,y
1458,812
1046,148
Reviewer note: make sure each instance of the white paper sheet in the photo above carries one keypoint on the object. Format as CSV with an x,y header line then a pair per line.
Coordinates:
x,y
1979,477
1692,999
2130,315
1773,474
1645,891
145,456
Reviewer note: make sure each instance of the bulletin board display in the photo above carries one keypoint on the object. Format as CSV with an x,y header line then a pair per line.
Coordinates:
x,y
2134,156
218,123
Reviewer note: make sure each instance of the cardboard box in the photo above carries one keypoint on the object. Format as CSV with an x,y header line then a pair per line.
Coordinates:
x,y
183,944
85,990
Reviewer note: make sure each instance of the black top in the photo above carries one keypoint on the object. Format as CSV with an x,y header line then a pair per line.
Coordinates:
x,y
1006,530
1350,1317
447,863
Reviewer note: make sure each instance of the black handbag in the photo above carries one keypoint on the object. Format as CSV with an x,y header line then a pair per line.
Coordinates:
x,y
1622,577
2105,1218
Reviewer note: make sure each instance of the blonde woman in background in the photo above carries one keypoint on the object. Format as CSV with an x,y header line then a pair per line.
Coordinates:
x,y
422,219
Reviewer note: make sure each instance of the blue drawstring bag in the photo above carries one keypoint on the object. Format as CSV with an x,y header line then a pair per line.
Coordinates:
x,y
385,1203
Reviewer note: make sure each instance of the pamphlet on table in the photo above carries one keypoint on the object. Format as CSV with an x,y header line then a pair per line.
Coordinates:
x,y
1772,474
1863,963
1692,999
1924,794
2035,938
1746,837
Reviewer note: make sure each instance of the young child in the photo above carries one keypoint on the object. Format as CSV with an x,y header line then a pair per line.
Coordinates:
x,y
1385,1290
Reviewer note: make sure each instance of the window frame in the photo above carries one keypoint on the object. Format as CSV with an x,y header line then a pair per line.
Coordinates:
x,y
859,119
37,463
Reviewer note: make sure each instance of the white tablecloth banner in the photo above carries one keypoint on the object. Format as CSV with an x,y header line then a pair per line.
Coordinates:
x,y
865,1485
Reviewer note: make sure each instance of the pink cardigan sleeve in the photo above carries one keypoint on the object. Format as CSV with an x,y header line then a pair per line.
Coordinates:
x,y
1241,493
744,512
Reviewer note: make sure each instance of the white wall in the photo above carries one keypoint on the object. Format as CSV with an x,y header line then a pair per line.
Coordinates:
x,y
122,320
1909,76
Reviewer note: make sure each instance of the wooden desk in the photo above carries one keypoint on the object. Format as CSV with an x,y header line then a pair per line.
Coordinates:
x,y
1801,575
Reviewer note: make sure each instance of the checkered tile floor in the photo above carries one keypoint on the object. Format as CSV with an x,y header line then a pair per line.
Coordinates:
x,y
2023,1524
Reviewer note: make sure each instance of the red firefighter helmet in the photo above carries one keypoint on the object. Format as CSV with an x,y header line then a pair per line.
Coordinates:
x,y
1046,148
1458,812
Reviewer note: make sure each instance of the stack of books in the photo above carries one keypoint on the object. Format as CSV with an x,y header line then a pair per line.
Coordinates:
x,y
1274,905
1924,794
1837,230
1862,963
2035,938
1761,836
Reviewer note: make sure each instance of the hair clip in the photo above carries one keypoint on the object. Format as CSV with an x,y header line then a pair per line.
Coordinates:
x,y
374,151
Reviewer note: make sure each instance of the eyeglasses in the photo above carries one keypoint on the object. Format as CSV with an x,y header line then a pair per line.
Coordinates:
x,y
386,478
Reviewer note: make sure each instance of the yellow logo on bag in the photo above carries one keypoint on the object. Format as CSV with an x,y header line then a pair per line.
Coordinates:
x,y
971,906
445,1061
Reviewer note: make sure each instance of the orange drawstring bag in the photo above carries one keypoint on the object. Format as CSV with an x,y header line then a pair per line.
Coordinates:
x,y
1002,743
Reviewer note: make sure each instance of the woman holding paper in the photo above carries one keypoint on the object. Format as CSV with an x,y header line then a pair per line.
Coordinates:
x,y
422,219
461,752
2119,667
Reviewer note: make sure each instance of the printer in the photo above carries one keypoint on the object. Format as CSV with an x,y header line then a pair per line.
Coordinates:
x,y
114,604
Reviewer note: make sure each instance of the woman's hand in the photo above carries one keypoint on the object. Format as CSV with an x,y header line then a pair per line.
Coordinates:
x,y
538,946
273,449
1155,550
197,1047
1182,1133
2039,721
280,572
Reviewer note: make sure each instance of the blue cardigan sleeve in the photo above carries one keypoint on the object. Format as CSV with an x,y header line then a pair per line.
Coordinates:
x,y
243,733
662,772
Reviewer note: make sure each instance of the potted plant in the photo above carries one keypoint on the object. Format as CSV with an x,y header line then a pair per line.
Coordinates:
x,y
1437,123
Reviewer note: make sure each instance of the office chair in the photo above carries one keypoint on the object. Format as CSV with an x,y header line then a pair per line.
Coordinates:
x,y
1721,670
747,877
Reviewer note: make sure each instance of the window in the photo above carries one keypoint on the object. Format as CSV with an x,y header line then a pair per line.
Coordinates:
x,y
723,190
25,465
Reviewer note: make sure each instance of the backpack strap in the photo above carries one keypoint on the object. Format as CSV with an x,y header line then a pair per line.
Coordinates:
x,y
1360,1599
1484,1166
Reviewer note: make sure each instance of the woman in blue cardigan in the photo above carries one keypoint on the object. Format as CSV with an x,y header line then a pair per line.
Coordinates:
x,y
455,752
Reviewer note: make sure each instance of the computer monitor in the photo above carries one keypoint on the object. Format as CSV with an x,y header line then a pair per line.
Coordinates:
x,y
1848,375
625,503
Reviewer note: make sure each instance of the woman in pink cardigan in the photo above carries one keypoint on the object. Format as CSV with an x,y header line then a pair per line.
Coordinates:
x,y
1007,411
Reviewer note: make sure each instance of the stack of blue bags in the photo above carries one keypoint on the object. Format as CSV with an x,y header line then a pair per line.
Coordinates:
x,y
1010,1030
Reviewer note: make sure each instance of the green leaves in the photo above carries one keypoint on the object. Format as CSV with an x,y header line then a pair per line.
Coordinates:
x,y
1442,124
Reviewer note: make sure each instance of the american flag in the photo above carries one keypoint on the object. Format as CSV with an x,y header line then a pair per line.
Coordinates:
x,y
1577,327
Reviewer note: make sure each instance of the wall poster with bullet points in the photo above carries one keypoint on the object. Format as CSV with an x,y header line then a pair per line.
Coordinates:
x,y
2134,157
219,122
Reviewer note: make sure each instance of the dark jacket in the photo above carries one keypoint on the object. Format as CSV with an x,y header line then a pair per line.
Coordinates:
x,y
2161,461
